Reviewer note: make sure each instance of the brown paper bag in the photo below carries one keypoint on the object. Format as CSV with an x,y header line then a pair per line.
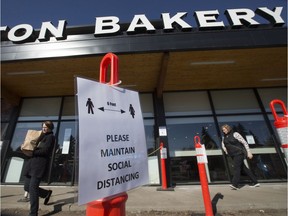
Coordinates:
x,y
30,142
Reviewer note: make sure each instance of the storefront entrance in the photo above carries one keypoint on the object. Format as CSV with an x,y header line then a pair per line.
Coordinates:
x,y
247,111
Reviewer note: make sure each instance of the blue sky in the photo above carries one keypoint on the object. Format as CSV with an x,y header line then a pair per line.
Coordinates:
x,y
81,13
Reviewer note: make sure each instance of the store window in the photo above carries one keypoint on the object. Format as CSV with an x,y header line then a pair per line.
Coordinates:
x,y
8,112
4,126
252,127
146,102
186,103
34,109
150,137
238,108
63,164
33,112
269,94
152,151
68,111
63,167
266,163
15,159
181,133
185,169
267,167
235,101
189,114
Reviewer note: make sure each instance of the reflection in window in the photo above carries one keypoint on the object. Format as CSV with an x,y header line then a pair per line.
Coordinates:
x,y
181,132
252,127
14,151
4,127
184,169
150,140
217,170
267,166
20,133
63,164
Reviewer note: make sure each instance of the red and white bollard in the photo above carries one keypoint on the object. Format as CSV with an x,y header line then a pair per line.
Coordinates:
x,y
202,160
163,155
281,125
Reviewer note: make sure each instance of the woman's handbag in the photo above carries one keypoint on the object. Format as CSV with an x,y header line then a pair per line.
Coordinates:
x,y
30,142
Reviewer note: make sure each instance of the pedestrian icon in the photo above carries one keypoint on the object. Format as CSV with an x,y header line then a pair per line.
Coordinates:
x,y
90,106
131,110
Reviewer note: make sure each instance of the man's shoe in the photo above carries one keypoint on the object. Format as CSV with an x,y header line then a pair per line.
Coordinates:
x,y
25,199
255,185
234,187
47,197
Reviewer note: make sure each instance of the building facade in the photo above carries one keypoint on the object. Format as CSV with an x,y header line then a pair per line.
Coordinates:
x,y
191,78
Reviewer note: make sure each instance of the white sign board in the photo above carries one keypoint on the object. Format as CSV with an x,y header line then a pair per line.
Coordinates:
x,y
162,131
250,139
163,153
66,141
201,154
112,146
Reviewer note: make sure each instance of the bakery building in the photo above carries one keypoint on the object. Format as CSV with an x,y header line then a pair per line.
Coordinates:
x,y
194,72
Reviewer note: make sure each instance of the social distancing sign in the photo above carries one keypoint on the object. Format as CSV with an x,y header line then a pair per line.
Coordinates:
x,y
112,146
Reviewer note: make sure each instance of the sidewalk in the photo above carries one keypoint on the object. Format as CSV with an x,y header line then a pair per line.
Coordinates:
x,y
148,198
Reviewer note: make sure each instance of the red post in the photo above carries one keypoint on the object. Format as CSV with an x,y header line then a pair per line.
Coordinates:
x,y
201,160
163,155
109,59
113,205
110,206
281,125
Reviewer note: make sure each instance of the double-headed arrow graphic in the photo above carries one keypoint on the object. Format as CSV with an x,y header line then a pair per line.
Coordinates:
x,y
103,109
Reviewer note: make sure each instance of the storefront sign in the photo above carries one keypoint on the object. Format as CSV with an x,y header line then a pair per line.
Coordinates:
x,y
112,146
206,20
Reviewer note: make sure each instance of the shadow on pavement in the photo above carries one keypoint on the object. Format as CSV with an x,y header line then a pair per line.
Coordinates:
x,y
215,201
58,205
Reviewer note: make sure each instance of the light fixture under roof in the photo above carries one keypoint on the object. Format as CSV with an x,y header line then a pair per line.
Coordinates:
x,y
274,79
25,73
212,62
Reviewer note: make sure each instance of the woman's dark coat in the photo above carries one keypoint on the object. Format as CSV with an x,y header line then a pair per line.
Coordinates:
x,y
38,163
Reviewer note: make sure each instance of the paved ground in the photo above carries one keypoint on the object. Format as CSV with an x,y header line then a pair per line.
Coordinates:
x,y
267,212
268,199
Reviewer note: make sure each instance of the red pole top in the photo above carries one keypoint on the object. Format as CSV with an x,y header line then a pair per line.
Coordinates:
x,y
108,59
272,106
197,142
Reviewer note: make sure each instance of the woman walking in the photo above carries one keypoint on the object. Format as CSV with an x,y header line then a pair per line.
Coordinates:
x,y
36,168
232,145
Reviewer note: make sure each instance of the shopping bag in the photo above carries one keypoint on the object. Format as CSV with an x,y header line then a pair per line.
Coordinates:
x,y
30,142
